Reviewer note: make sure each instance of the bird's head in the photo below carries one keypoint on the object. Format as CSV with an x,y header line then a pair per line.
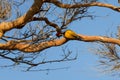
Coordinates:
x,y
58,34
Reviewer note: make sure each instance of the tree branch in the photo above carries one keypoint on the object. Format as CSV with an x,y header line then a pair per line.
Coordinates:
x,y
26,46
99,38
47,22
19,22
62,5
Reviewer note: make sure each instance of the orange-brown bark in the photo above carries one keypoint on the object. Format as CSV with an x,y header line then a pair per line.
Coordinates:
x,y
6,26
21,21
59,4
99,38
26,47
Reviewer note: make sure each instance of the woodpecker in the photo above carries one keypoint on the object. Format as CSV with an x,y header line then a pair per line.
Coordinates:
x,y
69,34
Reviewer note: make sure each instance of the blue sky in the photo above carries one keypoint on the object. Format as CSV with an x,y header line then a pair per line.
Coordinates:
x,y
86,66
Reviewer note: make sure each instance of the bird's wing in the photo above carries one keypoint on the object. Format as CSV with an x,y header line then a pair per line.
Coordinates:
x,y
75,35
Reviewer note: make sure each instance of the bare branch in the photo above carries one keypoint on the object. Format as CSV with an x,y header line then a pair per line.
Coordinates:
x,y
62,5
19,22
31,61
40,34
25,46
5,8
47,22
99,38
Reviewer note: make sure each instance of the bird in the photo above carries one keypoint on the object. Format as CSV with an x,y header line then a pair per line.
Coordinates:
x,y
69,34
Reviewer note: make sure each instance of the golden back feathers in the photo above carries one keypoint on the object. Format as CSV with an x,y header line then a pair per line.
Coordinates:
x,y
69,34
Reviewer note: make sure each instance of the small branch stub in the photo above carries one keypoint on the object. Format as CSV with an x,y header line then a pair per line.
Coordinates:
x,y
1,34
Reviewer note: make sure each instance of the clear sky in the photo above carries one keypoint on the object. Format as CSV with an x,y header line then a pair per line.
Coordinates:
x,y
86,66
